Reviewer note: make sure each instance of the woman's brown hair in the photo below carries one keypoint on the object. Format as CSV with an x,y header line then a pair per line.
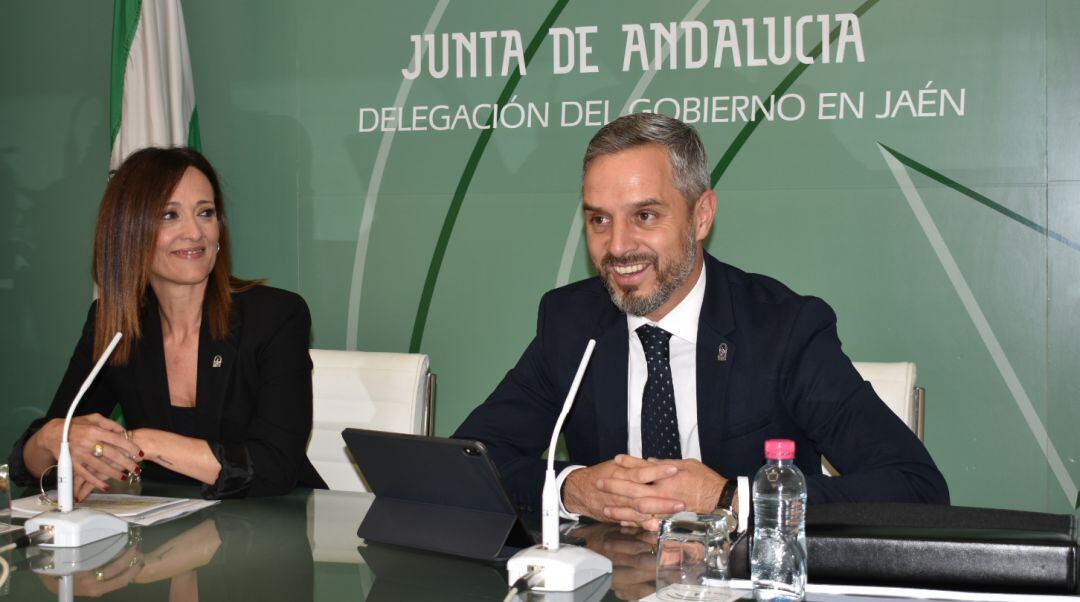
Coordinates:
x,y
124,242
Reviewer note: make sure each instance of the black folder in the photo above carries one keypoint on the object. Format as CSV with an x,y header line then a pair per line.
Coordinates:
x,y
950,547
442,495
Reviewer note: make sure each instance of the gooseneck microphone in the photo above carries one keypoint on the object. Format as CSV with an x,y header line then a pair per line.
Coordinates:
x,y
551,568
65,477
73,528
550,496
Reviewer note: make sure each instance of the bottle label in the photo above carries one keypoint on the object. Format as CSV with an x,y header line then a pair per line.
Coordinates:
x,y
772,475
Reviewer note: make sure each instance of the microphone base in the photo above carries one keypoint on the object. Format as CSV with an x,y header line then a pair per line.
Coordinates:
x,y
76,528
562,570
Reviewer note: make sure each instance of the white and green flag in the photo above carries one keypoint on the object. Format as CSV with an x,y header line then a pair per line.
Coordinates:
x,y
153,95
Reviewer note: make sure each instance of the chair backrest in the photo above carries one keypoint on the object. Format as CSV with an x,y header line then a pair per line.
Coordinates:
x,y
380,391
894,382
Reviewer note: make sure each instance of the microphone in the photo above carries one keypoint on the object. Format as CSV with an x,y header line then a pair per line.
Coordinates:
x,y
73,528
551,567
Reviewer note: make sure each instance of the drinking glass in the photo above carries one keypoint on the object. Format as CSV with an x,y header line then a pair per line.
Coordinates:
x,y
692,557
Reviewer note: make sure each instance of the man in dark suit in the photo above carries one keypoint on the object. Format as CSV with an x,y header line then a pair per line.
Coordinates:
x,y
696,364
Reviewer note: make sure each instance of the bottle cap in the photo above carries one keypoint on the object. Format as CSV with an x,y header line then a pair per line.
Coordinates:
x,y
779,449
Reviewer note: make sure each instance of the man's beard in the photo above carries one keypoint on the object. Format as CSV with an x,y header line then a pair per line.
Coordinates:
x,y
669,279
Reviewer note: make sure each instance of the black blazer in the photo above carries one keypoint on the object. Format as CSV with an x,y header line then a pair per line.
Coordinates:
x,y
784,376
253,393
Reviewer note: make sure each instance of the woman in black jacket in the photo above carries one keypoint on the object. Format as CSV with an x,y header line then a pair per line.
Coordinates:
x,y
212,374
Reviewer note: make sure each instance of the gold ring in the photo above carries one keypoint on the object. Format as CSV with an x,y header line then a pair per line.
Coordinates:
x,y
99,575
99,449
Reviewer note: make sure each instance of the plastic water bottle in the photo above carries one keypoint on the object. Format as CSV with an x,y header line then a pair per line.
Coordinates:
x,y
778,555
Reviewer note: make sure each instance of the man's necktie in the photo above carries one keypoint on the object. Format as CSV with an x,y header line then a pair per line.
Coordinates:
x,y
659,422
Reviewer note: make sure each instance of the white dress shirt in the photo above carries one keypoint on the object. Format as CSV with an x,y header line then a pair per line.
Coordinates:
x,y
682,323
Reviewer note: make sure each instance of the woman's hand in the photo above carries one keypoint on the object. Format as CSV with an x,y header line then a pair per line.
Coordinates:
x,y
99,450
185,455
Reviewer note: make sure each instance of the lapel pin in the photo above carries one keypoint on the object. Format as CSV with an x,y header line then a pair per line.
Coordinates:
x,y
722,352
217,362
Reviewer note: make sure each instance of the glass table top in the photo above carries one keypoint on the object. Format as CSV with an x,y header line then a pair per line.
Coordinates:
x,y
297,547
302,546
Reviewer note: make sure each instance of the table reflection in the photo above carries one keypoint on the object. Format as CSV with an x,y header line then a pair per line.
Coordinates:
x,y
175,560
303,546
251,548
632,552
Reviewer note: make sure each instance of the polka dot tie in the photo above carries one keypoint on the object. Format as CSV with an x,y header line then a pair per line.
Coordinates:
x,y
659,422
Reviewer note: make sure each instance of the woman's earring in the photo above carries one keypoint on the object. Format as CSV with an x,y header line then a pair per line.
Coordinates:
x,y
218,248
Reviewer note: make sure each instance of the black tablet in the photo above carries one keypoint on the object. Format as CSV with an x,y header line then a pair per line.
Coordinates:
x,y
436,494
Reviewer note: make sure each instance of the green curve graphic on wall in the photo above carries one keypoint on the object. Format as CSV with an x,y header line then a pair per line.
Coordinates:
x,y
979,198
466,180
973,307
312,124
485,136
748,129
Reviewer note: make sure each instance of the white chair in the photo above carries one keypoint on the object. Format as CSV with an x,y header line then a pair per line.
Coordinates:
x,y
894,382
392,392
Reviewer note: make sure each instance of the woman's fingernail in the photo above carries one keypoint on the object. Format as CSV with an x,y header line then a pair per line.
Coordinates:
x,y
679,507
123,477
105,488
138,470
141,455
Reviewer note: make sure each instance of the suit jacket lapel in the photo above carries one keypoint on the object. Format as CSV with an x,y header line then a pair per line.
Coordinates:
x,y
215,365
609,384
148,367
715,355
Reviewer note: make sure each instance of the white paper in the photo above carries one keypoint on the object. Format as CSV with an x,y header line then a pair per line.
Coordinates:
x,y
171,512
140,510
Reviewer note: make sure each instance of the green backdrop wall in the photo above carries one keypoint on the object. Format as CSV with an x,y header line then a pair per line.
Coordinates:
x,y
941,223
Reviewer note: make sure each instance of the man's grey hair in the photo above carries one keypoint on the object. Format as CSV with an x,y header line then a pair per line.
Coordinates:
x,y
685,151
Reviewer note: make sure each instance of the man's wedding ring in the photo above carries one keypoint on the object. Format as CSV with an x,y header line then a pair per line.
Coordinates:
x,y
99,449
